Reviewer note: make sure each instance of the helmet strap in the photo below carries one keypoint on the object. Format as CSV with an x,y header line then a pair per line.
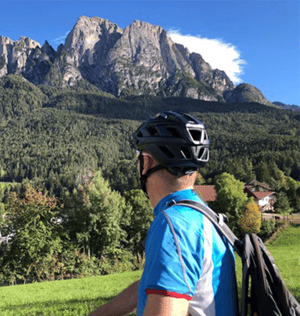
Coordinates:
x,y
144,177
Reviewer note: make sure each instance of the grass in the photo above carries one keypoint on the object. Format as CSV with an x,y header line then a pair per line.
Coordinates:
x,y
80,296
67,298
286,252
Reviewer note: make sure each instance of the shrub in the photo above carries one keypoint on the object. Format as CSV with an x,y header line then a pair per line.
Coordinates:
x,y
267,228
250,221
119,261
141,217
94,216
231,199
35,234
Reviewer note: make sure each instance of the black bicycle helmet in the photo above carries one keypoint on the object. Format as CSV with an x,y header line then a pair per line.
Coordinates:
x,y
178,141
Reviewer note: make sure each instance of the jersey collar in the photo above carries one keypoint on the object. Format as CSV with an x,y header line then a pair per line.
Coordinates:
x,y
188,194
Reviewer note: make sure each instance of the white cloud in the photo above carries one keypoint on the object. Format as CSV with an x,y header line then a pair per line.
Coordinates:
x,y
60,39
216,52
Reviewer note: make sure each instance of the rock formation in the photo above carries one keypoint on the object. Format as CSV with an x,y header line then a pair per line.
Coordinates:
x,y
245,93
140,59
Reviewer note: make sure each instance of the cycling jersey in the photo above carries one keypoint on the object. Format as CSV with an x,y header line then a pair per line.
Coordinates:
x,y
187,258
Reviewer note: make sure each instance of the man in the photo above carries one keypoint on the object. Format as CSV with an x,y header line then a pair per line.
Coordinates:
x,y
189,267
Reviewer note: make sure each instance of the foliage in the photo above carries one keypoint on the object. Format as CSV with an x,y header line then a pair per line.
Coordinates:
x,y
231,199
291,188
19,97
267,228
54,147
119,261
250,221
282,203
39,249
199,180
242,169
50,134
35,236
54,137
94,215
140,220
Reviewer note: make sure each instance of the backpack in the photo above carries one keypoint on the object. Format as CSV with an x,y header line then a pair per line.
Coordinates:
x,y
268,294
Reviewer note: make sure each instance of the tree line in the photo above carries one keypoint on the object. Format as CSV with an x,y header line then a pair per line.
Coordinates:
x,y
93,229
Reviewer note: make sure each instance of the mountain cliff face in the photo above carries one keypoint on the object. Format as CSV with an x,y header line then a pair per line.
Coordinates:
x,y
140,59
14,55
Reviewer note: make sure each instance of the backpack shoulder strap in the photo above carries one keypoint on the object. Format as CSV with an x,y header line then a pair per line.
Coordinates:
x,y
219,220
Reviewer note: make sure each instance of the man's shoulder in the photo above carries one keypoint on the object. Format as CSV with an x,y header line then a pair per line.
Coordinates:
x,y
184,220
179,212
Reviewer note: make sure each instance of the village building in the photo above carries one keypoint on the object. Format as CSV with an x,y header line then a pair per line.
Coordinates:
x,y
262,193
207,192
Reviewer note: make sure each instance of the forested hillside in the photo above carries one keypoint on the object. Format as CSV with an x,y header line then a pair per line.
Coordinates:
x,y
52,135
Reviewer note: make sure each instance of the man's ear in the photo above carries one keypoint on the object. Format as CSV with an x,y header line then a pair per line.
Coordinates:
x,y
149,163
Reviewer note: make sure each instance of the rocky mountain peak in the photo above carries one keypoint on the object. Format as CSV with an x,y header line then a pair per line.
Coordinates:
x,y
5,41
141,59
29,43
48,50
89,42
245,93
14,54
87,32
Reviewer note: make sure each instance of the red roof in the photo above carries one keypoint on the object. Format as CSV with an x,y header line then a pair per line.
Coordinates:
x,y
208,192
260,195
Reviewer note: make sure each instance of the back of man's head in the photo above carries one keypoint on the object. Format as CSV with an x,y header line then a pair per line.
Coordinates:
x,y
177,141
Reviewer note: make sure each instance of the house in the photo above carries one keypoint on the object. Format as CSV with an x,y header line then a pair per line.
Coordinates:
x,y
257,186
207,192
263,195
264,200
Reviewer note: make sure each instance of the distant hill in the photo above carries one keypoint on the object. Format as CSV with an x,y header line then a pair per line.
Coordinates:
x,y
291,107
54,135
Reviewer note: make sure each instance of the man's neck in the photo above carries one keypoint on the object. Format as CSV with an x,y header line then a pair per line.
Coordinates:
x,y
157,189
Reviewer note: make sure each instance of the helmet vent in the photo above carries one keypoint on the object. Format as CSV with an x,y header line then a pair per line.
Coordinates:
x,y
152,130
203,154
185,152
174,132
167,152
196,135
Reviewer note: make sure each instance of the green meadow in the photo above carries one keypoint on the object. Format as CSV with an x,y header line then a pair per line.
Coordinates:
x,y
66,298
81,296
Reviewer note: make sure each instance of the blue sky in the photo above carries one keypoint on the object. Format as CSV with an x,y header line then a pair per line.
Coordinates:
x,y
254,41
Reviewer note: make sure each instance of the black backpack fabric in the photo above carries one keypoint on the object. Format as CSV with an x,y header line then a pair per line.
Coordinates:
x,y
263,290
